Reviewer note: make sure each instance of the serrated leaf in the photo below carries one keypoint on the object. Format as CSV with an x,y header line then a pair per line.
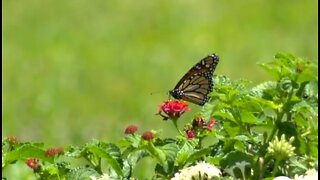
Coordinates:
x,y
105,155
271,69
233,157
224,114
171,151
27,151
240,170
113,150
74,151
185,151
130,160
248,117
135,156
303,106
206,111
132,139
82,173
260,89
198,154
52,169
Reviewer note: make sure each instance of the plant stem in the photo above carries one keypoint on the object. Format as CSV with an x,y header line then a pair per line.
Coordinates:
x,y
275,168
175,123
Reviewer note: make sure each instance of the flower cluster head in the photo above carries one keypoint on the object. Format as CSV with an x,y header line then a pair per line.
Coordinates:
x,y
53,151
190,133
201,170
172,109
198,126
12,139
281,149
198,122
102,177
209,125
131,129
310,174
147,135
33,163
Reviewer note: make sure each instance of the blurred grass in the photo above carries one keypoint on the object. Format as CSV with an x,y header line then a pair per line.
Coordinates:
x,y
76,70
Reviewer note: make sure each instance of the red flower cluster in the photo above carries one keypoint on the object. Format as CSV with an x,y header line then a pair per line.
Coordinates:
x,y
33,163
172,109
209,125
148,135
131,129
198,126
190,134
53,151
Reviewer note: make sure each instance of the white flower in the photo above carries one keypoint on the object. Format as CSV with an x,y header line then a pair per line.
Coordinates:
x,y
201,170
282,178
311,174
102,177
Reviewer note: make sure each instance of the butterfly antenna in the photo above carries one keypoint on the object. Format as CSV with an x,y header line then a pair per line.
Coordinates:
x,y
152,93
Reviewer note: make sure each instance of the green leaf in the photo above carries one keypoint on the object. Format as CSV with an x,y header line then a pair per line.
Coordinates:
x,y
230,159
231,128
171,151
82,173
248,117
260,90
240,170
131,139
107,156
184,152
224,114
272,69
74,151
305,107
52,169
198,154
26,151
206,111
131,160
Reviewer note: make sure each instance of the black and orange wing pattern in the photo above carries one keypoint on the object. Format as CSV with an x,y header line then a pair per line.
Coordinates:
x,y
197,83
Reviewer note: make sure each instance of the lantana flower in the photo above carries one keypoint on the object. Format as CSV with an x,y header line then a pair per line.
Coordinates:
x,y
53,151
209,125
131,129
102,177
172,109
147,135
33,163
190,134
310,174
201,170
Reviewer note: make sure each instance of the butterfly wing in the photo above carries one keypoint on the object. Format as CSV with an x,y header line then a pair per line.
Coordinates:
x,y
197,83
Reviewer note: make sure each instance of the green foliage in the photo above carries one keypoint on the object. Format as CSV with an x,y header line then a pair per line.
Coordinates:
x,y
245,142
88,69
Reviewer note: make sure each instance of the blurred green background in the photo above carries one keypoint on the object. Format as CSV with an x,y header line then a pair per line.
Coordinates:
x,y
76,70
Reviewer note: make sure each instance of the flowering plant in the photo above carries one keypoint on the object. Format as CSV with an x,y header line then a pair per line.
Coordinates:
x,y
265,132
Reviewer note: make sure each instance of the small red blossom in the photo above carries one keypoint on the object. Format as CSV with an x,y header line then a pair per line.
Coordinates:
x,y
209,125
131,129
53,151
147,135
12,139
33,163
190,134
172,109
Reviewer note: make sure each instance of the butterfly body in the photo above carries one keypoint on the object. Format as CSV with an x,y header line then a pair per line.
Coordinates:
x,y
197,83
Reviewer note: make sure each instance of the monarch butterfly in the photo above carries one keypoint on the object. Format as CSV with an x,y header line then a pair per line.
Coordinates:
x,y
197,83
